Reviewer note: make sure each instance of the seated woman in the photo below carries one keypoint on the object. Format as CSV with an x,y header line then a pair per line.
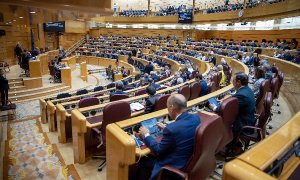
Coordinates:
x,y
260,77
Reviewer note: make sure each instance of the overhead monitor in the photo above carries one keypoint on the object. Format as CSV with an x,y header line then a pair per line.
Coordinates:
x,y
185,17
54,26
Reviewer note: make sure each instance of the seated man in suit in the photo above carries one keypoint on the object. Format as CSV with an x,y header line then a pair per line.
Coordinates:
x,y
203,84
176,145
119,89
150,102
153,84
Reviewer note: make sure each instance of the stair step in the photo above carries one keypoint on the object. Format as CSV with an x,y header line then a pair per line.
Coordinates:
x,y
17,88
33,90
38,94
17,83
15,79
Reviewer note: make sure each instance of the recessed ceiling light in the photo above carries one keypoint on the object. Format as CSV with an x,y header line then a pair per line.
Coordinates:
x,y
21,17
32,12
66,5
9,22
14,20
6,23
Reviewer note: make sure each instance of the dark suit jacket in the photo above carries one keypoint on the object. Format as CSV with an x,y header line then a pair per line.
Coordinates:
x,y
246,113
177,143
150,104
3,83
148,68
117,92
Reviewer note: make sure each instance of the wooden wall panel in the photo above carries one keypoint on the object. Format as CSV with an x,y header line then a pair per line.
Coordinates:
x,y
142,32
251,35
16,31
68,39
75,27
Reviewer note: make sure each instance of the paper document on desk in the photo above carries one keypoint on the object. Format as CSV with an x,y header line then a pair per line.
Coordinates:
x,y
136,106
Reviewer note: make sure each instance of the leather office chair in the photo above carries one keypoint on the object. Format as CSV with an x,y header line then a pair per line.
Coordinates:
x,y
229,109
161,102
112,113
214,78
212,87
259,131
195,90
90,101
82,91
117,97
128,88
202,162
98,88
140,92
263,89
63,95
229,75
281,79
274,86
185,91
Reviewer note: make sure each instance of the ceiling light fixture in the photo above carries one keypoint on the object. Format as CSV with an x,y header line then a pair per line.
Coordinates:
x,y
32,12
21,17
14,20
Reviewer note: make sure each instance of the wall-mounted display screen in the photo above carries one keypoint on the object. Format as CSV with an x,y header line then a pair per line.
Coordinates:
x,y
185,17
54,26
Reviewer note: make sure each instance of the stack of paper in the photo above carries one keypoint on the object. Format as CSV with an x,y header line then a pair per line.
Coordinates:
x,y
136,106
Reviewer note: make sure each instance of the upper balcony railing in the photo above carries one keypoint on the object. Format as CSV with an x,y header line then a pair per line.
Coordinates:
x,y
283,9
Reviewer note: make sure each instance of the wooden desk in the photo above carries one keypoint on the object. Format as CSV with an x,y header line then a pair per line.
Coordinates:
x,y
66,76
119,142
83,71
265,153
35,68
118,77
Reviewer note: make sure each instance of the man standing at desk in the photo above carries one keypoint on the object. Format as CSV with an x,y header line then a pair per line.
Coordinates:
x,y
177,142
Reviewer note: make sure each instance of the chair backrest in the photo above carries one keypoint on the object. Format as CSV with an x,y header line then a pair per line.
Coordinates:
x,y
228,110
128,88
274,86
264,117
140,92
195,90
51,69
90,101
82,91
212,87
185,91
114,112
263,89
63,95
281,79
111,85
214,78
117,97
161,102
203,162
98,88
